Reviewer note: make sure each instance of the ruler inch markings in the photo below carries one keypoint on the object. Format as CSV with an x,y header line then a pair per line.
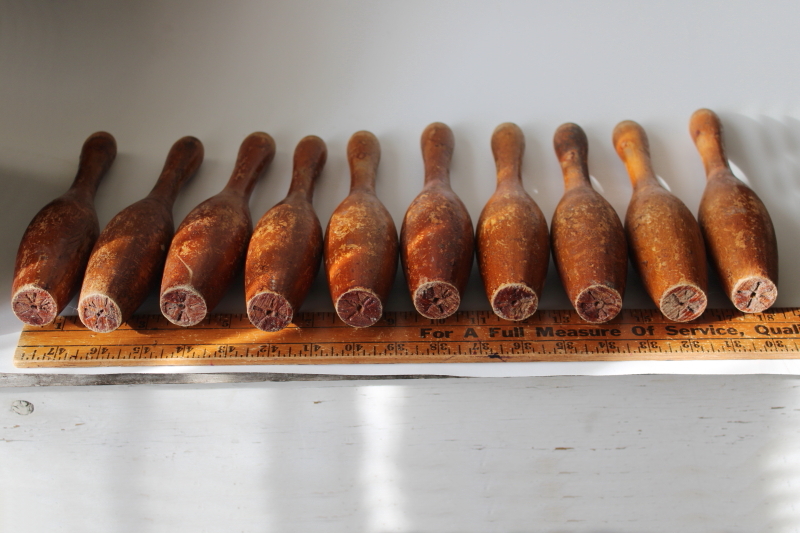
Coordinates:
x,y
405,337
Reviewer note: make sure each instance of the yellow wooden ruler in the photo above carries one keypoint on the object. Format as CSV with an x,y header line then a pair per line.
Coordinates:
x,y
466,337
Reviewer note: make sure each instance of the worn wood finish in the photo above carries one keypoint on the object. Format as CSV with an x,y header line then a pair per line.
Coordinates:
x,y
436,239
589,247
361,247
55,247
210,244
286,248
512,242
129,255
665,242
737,228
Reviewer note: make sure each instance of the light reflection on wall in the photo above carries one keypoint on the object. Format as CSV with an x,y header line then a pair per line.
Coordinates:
x,y
380,408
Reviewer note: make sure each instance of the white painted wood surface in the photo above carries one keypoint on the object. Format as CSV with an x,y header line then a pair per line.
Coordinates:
x,y
561,454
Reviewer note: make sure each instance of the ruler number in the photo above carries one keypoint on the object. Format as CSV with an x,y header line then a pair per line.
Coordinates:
x,y
55,351
142,351
561,317
476,319
227,350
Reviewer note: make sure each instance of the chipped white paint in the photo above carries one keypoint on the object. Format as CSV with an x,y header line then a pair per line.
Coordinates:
x,y
22,407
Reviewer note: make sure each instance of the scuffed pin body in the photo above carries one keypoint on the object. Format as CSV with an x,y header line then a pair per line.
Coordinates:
x,y
665,242
129,255
210,244
589,246
55,248
737,228
513,245
361,245
285,251
436,240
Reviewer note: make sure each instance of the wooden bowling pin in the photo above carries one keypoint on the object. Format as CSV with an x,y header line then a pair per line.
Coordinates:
x,y
210,244
129,255
589,246
286,248
736,226
664,238
512,242
436,239
56,245
361,241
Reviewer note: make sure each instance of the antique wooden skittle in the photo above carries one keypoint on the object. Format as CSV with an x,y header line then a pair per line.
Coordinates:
x,y
436,239
361,241
55,248
589,246
512,242
286,248
129,255
737,228
665,242
210,244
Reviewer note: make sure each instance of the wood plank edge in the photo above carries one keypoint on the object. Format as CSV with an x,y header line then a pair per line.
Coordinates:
x,y
82,380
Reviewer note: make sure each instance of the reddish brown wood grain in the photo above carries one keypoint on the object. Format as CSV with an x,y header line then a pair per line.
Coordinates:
x,y
286,248
513,245
589,246
665,242
55,248
436,239
210,244
361,246
737,228
129,255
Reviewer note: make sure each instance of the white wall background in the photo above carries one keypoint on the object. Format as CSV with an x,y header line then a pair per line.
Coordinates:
x,y
640,453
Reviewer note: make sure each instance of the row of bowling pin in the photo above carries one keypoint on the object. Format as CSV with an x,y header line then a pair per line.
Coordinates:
x,y
360,247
